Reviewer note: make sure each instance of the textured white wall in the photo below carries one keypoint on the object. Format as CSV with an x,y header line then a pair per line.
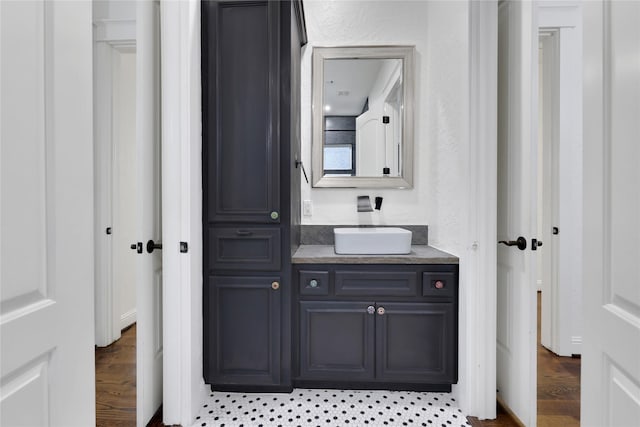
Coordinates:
x,y
440,34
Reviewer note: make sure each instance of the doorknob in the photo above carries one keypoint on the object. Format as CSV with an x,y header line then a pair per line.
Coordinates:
x,y
151,245
137,247
520,242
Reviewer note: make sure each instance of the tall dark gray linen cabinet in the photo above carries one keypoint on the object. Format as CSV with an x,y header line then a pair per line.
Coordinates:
x,y
251,189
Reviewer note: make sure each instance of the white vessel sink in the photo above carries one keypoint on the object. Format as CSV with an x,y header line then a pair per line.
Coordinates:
x,y
372,241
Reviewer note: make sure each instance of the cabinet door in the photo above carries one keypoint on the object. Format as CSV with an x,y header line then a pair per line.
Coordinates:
x,y
416,342
241,111
243,331
336,340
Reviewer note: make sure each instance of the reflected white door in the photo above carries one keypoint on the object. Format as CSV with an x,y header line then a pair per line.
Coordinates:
x,y
149,281
517,214
46,214
610,393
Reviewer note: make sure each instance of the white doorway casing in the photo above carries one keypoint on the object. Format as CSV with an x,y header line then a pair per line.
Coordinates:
x,y
183,387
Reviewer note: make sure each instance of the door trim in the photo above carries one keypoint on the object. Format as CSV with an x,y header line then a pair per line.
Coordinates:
x,y
183,383
478,265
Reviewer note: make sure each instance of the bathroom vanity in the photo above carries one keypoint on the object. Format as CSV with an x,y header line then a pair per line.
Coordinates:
x,y
375,321
280,310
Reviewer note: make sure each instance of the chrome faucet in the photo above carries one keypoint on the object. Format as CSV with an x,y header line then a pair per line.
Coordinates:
x,y
364,204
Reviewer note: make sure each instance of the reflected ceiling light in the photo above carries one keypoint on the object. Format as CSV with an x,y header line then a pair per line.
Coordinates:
x,y
327,107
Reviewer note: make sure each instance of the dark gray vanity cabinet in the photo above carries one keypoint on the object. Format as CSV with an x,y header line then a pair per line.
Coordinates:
x,y
390,326
247,313
416,341
336,340
251,188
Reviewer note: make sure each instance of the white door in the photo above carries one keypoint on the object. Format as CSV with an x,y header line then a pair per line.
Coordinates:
x,y
47,371
149,281
610,393
517,215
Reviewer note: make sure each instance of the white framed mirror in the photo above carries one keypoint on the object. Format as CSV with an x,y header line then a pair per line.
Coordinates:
x,y
362,124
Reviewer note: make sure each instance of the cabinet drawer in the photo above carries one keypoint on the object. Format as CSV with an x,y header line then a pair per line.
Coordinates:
x,y
380,283
438,284
245,249
313,282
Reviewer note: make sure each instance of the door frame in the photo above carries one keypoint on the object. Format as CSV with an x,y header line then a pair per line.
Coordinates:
x,y
477,387
184,387
109,36
183,383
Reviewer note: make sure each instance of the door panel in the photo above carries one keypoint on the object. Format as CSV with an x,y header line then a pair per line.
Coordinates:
x,y
243,339
46,204
517,213
336,340
610,393
242,139
149,350
416,342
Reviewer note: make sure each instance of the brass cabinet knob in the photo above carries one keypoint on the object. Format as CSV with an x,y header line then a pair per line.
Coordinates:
x,y
275,286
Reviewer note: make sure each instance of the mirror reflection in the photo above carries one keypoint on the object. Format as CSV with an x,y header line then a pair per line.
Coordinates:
x,y
362,117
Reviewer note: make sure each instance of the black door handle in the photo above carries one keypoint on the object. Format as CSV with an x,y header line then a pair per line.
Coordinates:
x,y
137,247
151,245
520,242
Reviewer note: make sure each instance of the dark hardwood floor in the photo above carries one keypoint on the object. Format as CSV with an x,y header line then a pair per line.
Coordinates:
x,y
558,391
116,384
558,388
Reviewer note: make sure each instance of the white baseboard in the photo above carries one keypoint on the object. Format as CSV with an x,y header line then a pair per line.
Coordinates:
x,y
576,345
128,318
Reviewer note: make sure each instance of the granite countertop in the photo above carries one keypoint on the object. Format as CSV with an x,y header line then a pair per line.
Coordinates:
x,y
325,254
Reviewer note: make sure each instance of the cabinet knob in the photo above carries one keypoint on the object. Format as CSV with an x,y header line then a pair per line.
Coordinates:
x,y
275,215
380,311
275,286
439,284
313,283
371,309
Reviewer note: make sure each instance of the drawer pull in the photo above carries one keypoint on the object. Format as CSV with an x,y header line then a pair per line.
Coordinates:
x,y
244,233
275,286
380,311
439,284
313,283
371,309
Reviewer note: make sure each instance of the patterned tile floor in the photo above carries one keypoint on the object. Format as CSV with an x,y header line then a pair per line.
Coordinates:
x,y
306,407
